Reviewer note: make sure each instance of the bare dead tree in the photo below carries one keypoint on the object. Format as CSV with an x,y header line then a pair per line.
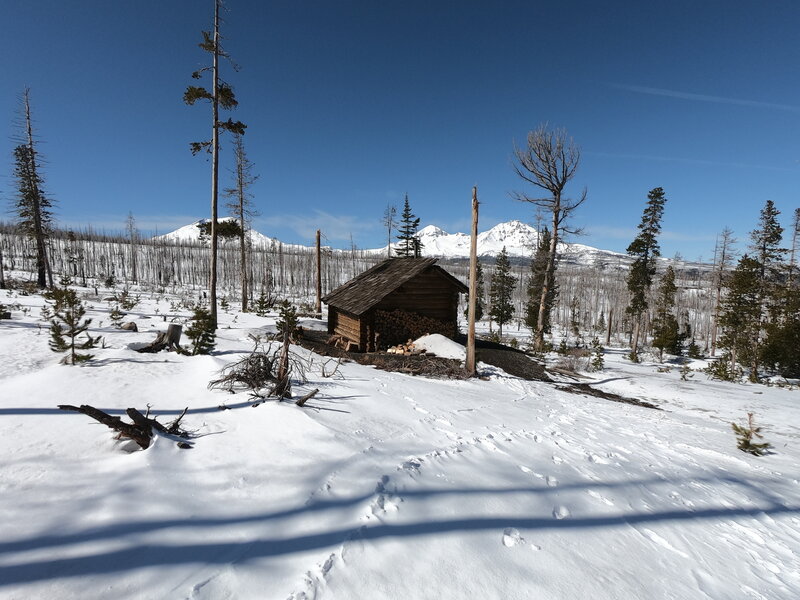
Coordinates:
x,y
724,254
389,221
241,207
220,96
549,162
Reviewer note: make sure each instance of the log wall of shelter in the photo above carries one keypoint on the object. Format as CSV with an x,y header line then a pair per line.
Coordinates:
x,y
429,294
348,326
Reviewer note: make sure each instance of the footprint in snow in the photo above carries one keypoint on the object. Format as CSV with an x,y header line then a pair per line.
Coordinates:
x,y
557,459
511,537
551,481
561,512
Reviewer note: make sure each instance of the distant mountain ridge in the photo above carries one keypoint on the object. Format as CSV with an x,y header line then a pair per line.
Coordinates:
x,y
519,239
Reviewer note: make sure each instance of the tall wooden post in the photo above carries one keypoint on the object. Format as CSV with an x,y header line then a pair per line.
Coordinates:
x,y
319,277
473,285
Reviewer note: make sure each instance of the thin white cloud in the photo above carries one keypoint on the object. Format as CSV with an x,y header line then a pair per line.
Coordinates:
x,y
640,89
334,228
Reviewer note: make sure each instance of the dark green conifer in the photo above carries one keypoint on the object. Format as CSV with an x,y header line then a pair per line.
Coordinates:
x,y
666,331
501,290
66,324
646,250
409,244
202,331
536,283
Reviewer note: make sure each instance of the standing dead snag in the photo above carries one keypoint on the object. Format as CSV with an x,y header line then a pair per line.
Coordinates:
x,y
140,431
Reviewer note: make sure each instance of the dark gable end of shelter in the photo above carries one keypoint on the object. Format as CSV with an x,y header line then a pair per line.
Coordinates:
x,y
357,310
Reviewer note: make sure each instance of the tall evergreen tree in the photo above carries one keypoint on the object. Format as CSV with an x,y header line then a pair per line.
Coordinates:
x,y
220,96
241,207
32,206
646,250
766,242
409,245
767,251
549,162
666,331
740,316
501,290
536,284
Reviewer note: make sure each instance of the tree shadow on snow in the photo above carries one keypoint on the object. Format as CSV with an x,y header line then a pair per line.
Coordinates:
x,y
144,555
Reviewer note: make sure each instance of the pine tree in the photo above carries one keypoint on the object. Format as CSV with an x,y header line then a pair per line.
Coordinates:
x,y
220,96
66,324
409,245
766,245
33,207
745,434
241,207
666,333
501,291
597,363
536,283
740,315
646,249
202,331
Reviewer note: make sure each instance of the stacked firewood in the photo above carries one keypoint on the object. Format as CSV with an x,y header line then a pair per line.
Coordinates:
x,y
392,327
407,349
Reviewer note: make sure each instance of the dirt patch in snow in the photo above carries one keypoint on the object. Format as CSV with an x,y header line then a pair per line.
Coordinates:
x,y
587,390
513,362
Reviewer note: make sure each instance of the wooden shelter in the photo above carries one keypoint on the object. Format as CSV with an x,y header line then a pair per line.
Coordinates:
x,y
395,300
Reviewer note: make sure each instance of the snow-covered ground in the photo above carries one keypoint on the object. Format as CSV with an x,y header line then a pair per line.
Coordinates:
x,y
384,485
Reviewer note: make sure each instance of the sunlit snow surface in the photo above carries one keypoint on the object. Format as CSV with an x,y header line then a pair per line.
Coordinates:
x,y
384,485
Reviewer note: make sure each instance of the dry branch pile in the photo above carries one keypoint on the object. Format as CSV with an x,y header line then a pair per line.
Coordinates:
x,y
392,327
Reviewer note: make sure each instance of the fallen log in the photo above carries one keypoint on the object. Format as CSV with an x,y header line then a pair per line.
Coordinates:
x,y
140,431
141,435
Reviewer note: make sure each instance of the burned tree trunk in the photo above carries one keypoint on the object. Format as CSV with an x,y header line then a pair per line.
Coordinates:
x,y
140,431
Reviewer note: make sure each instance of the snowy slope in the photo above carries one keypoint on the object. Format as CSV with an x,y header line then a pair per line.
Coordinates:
x,y
191,233
519,239
387,485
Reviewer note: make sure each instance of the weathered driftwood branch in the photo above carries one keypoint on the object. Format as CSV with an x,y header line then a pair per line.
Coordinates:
x,y
308,396
140,431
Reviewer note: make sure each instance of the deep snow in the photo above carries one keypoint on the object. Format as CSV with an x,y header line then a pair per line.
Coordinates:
x,y
384,485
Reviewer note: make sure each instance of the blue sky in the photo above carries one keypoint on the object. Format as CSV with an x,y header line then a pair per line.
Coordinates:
x,y
352,104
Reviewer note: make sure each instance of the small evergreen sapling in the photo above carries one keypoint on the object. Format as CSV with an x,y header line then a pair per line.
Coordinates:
x,y
202,331
262,305
745,436
597,363
66,325
287,320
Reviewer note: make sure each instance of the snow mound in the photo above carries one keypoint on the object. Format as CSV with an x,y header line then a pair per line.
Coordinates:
x,y
436,343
